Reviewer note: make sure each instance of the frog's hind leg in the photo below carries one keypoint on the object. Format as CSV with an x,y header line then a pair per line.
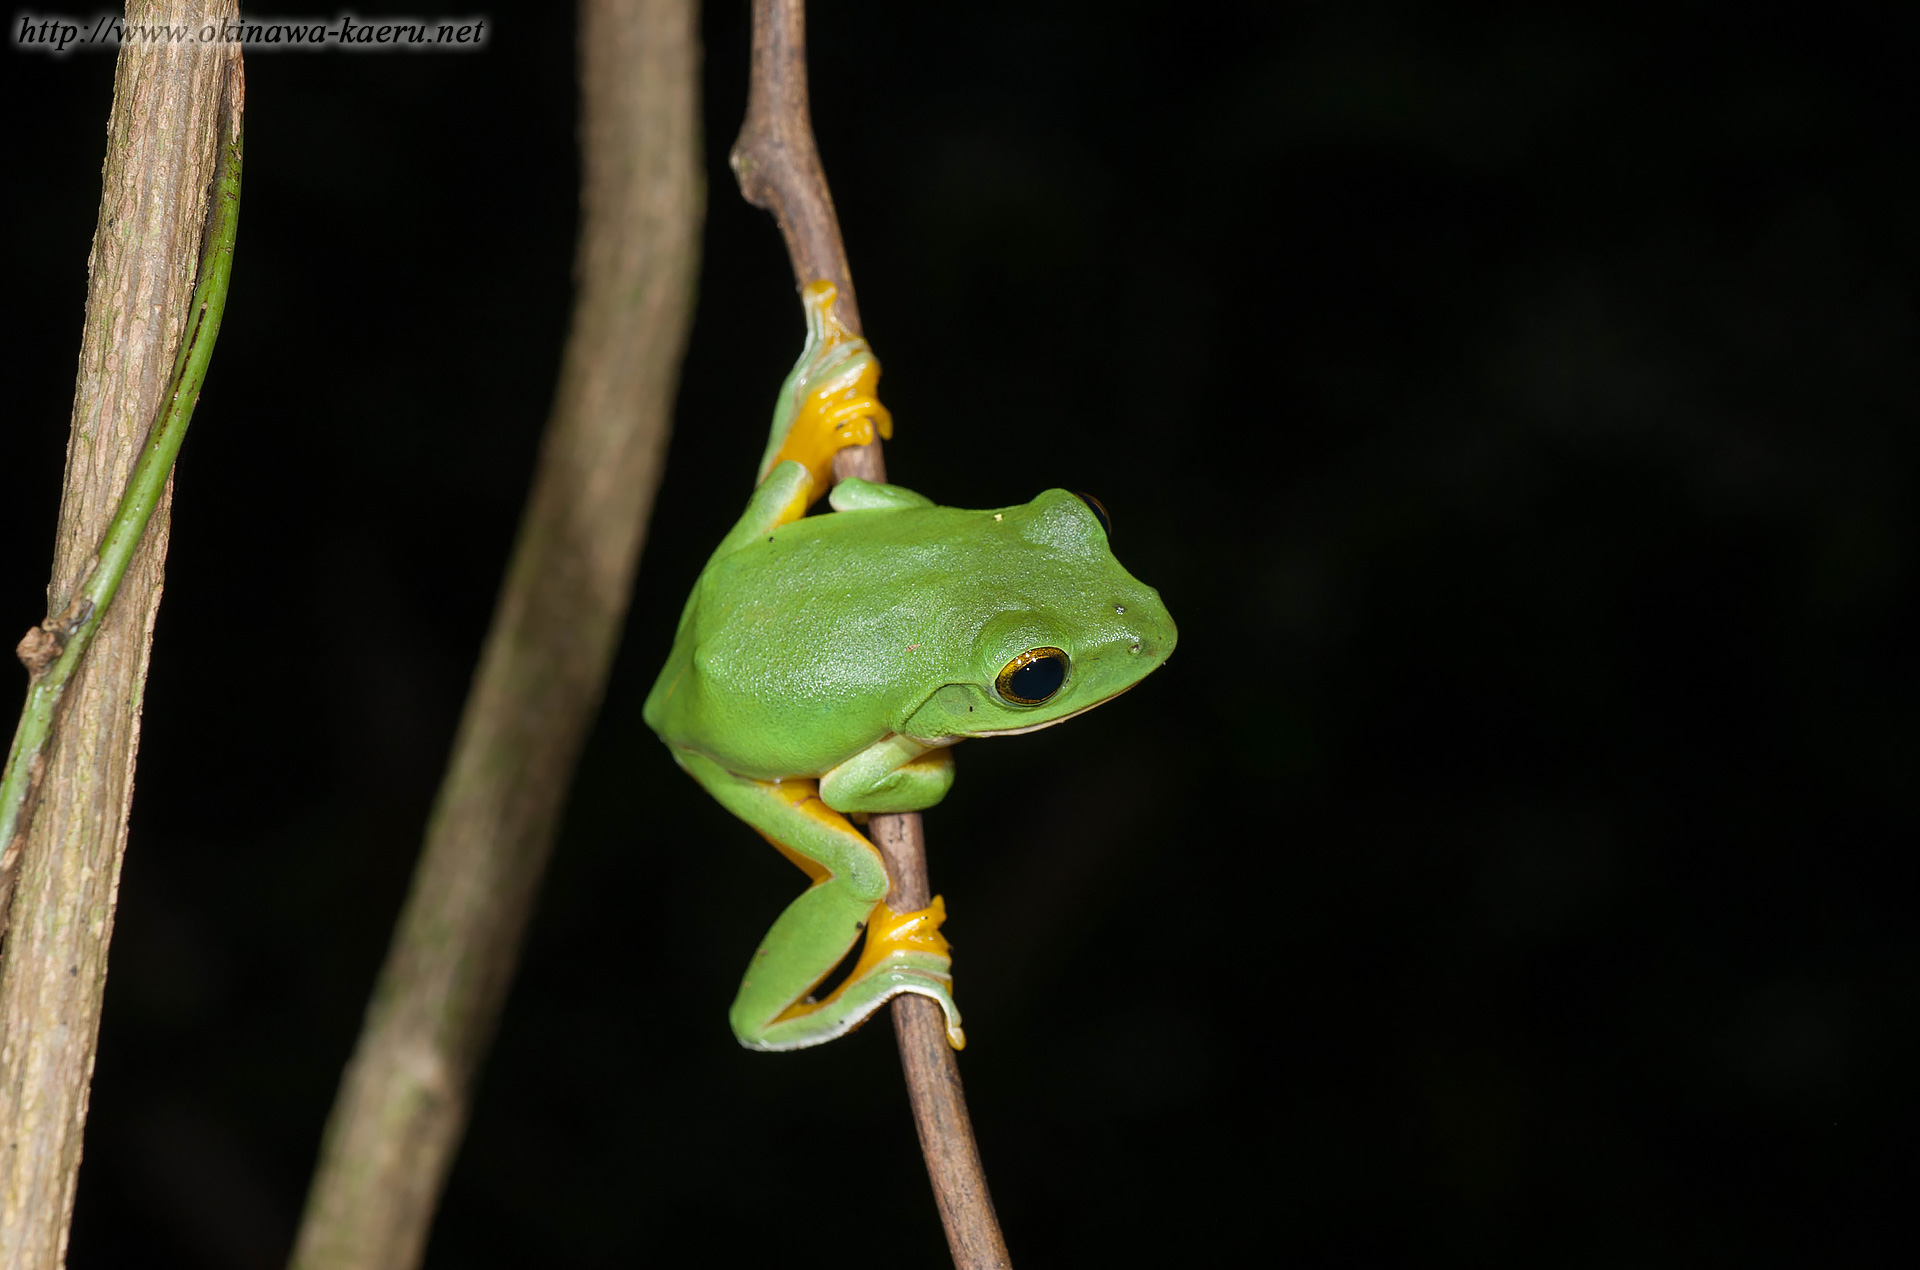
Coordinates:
x,y
904,952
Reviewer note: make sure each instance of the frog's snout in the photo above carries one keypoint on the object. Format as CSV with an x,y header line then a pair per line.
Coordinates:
x,y
1152,629
1155,645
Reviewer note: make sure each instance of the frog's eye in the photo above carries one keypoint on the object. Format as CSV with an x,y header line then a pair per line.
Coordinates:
x,y
1033,676
1099,510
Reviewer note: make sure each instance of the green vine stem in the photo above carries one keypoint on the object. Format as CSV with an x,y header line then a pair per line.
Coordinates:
x,y
52,650
156,281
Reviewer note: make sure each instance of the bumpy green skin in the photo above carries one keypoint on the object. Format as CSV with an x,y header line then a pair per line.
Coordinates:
x,y
852,647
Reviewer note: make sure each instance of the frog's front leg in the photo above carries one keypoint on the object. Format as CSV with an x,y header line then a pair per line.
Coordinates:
x,y
904,953
893,774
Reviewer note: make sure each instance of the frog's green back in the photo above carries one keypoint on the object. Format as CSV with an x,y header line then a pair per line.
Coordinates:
x,y
809,642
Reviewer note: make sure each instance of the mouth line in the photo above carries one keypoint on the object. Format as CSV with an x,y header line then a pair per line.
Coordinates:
x,y
1035,727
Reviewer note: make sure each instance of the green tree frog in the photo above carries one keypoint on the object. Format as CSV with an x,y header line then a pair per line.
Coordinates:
x,y
824,666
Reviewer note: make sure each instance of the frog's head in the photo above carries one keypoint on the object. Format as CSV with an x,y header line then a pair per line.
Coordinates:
x,y
1054,625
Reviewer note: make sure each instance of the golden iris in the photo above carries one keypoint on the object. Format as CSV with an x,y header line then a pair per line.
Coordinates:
x,y
1033,676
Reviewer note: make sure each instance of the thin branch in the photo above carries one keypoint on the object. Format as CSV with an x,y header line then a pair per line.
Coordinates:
x,y
403,1100
778,166
162,251
933,1074
775,158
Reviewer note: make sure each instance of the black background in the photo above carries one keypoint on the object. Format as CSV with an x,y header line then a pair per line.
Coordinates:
x,y
1515,409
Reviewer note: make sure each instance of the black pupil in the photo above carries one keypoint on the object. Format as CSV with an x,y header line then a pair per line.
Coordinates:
x,y
1038,679
1099,511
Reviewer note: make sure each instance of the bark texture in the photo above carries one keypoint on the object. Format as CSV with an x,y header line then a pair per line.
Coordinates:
x,y
403,1101
163,137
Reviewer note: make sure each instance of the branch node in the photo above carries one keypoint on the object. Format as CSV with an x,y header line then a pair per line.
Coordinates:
x,y
38,649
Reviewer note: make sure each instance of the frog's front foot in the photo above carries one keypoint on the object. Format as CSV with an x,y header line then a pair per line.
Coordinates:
x,y
829,401
904,952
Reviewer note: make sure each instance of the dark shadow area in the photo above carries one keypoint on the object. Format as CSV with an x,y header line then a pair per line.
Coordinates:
x,y
1515,409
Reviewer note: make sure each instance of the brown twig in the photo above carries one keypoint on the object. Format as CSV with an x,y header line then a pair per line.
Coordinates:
x,y
776,161
174,107
403,1100
778,167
